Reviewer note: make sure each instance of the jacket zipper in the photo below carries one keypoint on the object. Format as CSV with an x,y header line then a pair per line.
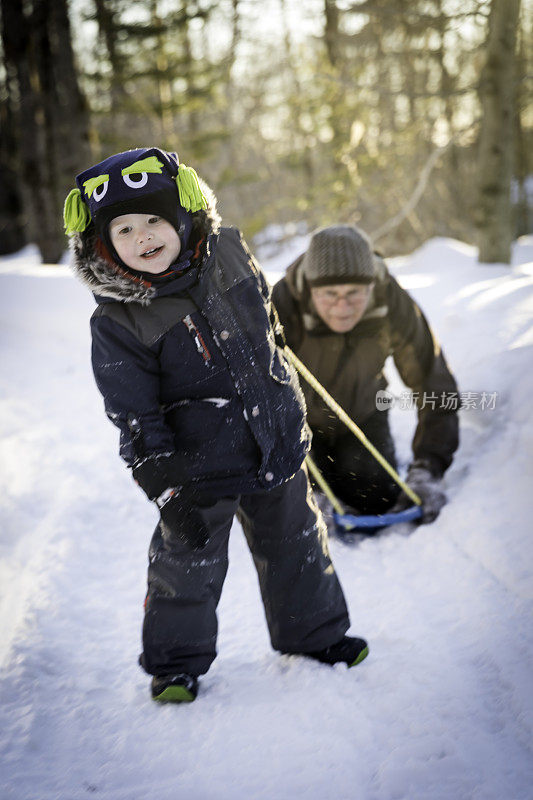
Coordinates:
x,y
198,339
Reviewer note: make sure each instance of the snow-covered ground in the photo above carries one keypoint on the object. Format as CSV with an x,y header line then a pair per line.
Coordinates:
x,y
443,706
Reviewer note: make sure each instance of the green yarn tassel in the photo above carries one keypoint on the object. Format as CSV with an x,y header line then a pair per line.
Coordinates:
x,y
191,196
75,213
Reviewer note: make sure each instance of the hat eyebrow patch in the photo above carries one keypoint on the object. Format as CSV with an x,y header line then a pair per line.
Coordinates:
x,y
92,184
150,164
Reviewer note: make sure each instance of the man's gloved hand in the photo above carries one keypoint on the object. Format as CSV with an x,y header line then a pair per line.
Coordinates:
x,y
428,487
181,517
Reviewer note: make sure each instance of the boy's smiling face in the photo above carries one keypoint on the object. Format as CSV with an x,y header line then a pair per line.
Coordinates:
x,y
145,242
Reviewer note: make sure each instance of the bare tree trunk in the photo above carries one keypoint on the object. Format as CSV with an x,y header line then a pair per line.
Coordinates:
x,y
523,157
11,210
340,115
71,110
296,100
105,17
41,211
230,117
331,31
51,118
164,92
496,145
193,117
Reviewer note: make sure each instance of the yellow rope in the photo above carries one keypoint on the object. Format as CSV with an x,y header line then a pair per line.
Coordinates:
x,y
350,424
324,485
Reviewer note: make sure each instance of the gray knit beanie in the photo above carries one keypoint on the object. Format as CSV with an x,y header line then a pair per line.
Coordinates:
x,y
338,254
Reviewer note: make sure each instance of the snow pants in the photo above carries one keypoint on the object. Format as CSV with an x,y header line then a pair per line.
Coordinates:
x,y
303,601
351,470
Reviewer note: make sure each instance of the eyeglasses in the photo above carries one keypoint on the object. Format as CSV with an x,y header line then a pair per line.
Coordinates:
x,y
329,296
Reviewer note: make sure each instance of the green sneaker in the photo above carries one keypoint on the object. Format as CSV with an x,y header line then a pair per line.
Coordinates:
x,y
349,650
180,688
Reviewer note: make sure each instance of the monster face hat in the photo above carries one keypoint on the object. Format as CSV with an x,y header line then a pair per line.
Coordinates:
x,y
143,181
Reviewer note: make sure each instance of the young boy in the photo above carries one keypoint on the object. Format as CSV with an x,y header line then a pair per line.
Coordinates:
x,y
187,353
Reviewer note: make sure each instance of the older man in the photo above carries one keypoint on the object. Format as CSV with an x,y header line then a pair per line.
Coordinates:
x,y
343,314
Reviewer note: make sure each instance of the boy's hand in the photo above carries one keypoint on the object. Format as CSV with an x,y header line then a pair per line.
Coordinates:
x,y
157,473
180,513
181,517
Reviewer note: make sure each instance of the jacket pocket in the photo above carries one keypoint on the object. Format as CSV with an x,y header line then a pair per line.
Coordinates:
x,y
198,421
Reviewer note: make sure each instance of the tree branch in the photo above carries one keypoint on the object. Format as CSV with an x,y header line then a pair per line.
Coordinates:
x,y
420,187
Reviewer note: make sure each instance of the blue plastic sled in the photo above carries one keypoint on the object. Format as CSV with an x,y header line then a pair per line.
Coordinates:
x,y
351,522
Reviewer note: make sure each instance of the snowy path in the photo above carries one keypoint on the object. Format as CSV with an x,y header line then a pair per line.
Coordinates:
x,y
441,709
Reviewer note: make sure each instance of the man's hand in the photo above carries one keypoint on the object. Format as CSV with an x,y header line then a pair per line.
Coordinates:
x,y
428,487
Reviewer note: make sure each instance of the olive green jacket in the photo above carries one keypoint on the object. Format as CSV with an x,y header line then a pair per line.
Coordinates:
x,y
351,365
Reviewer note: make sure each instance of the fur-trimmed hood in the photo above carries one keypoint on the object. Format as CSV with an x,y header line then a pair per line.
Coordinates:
x,y
106,279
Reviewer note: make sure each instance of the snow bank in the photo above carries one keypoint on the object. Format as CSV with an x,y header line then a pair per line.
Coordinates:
x,y
441,709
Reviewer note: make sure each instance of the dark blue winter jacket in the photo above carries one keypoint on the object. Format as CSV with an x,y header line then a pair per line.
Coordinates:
x,y
193,362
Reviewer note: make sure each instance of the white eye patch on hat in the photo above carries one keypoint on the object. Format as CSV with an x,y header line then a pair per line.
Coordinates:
x,y
135,176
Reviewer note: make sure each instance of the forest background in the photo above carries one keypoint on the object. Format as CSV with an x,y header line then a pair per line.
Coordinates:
x,y
410,118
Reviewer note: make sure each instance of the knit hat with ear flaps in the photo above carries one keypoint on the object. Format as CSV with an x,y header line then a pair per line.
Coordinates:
x,y
143,181
338,254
